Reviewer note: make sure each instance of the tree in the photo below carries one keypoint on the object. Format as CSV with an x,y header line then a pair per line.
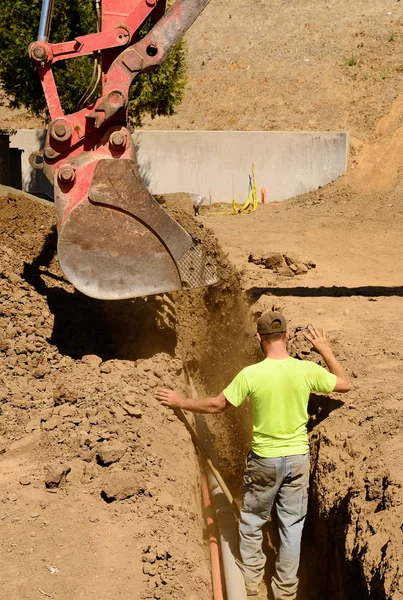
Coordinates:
x,y
157,92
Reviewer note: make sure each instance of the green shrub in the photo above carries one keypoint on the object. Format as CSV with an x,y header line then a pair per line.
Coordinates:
x,y
156,93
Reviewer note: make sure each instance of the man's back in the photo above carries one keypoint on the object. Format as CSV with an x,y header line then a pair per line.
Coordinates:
x,y
279,391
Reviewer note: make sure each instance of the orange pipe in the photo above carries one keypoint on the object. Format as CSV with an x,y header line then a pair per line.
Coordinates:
x,y
213,539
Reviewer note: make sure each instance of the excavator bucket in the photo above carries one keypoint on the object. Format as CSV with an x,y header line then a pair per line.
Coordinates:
x,y
120,243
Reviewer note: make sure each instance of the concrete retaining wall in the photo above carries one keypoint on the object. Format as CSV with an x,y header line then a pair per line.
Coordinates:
x,y
217,164
33,180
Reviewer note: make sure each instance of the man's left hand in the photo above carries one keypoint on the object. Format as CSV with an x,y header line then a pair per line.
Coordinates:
x,y
168,398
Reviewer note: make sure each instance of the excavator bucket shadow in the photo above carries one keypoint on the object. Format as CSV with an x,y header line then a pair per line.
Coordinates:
x,y
120,243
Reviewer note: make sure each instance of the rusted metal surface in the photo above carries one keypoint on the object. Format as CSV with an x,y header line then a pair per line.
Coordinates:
x,y
118,184
120,243
109,255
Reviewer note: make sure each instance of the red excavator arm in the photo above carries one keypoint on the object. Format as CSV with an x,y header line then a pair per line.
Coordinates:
x,y
114,240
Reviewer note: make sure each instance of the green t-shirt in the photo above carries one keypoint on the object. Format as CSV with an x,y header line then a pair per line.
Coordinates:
x,y
279,391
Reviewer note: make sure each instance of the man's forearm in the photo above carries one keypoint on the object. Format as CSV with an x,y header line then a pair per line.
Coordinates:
x,y
201,405
320,344
333,364
172,399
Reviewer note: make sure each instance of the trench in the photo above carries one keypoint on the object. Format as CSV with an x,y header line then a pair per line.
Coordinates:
x,y
211,332
214,333
324,569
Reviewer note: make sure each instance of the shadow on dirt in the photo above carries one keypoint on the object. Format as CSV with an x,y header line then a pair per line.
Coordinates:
x,y
325,571
319,408
334,291
83,325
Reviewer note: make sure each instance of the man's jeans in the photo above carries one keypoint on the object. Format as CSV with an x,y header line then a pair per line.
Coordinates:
x,y
284,481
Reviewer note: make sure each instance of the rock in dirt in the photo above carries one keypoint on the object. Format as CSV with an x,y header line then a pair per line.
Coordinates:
x,y
33,425
52,423
132,399
25,480
27,443
149,569
4,344
149,557
55,475
64,392
67,411
106,368
120,486
110,453
133,411
281,263
92,360
40,371
118,413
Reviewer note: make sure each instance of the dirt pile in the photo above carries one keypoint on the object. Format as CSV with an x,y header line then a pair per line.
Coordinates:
x,y
81,433
288,264
316,65
76,420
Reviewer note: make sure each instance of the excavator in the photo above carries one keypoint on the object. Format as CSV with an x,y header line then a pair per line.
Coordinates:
x,y
115,241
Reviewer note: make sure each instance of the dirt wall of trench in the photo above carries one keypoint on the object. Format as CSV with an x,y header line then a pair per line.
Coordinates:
x,y
99,483
90,459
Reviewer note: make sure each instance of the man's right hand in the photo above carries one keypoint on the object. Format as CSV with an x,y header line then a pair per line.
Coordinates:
x,y
169,398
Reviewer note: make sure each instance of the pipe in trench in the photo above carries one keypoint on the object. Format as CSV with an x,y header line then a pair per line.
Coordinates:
x,y
226,512
201,447
226,519
213,538
228,533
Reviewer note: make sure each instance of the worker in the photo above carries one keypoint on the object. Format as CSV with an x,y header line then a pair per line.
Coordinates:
x,y
277,466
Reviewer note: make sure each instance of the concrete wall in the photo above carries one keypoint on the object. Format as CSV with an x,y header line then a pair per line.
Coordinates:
x,y
217,164
33,180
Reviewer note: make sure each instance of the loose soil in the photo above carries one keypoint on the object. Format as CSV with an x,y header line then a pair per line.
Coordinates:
x,y
91,461
355,292
100,490
100,487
